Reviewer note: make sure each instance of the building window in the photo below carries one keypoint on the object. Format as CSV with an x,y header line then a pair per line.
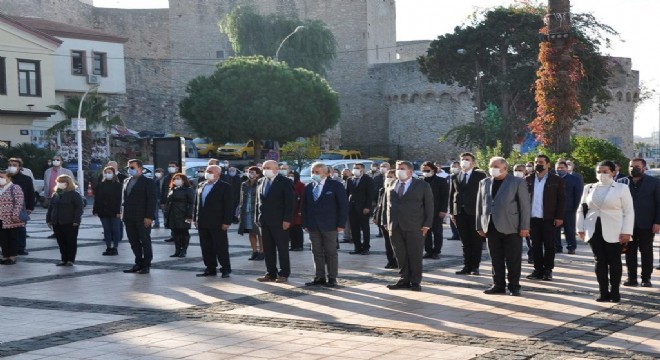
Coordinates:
x,y
100,64
78,62
220,54
29,78
3,77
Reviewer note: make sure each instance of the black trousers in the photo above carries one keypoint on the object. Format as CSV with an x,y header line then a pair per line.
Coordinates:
x,y
472,242
642,241
139,236
608,261
67,240
359,229
506,254
8,241
181,239
542,232
433,240
389,252
276,244
215,248
297,237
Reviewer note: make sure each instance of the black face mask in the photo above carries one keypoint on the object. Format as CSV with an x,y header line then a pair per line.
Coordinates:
x,y
539,168
636,172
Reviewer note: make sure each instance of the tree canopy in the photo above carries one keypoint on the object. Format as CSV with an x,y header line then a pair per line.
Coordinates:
x,y
503,43
258,98
251,33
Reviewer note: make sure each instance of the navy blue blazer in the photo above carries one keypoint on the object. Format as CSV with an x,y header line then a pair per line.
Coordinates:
x,y
574,188
277,206
327,213
646,201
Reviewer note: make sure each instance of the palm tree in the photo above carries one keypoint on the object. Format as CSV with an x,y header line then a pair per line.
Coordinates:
x,y
94,109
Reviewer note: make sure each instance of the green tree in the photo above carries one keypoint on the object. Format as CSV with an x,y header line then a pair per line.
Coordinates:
x,y
34,158
498,51
588,151
95,110
301,152
251,33
258,98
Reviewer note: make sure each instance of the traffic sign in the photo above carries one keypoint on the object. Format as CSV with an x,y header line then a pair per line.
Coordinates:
x,y
79,124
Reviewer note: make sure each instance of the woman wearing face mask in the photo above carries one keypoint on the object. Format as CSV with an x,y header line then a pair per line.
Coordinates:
x,y
246,213
440,189
179,210
296,229
107,206
380,219
606,220
64,215
158,182
11,202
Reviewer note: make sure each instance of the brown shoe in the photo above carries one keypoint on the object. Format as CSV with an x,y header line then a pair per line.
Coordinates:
x,y
266,278
282,279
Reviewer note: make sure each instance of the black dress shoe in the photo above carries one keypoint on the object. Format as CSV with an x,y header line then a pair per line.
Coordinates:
x,y
316,281
515,292
225,275
134,269
426,256
23,252
347,241
415,287
183,253
207,273
61,263
144,270
51,236
463,271
390,266
332,282
297,249
603,297
365,252
571,252
474,272
169,240
401,284
435,256
8,262
176,254
494,290
547,276
530,261
535,275
631,282
646,283
615,297
657,267
254,256
107,252
355,252
454,238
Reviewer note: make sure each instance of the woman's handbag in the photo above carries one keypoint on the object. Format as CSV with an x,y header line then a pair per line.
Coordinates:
x,y
23,215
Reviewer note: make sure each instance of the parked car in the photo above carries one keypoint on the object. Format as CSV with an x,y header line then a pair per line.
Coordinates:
x,y
306,172
205,148
236,150
340,154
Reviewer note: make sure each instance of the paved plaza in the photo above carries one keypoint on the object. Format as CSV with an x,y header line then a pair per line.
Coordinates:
x,y
94,311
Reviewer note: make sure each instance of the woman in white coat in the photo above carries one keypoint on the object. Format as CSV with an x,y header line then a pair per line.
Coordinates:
x,y
607,227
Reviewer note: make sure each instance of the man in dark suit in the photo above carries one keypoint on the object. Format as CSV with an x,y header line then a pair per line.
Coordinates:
x,y
234,179
503,215
25,182
274,214
138,211
548,201
360,190
574,188
213,214
440,188
379,182
172,169
463,190
324,213
645,191
410,211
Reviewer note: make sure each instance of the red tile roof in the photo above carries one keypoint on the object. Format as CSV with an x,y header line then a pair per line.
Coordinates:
x,y
67,31
29,29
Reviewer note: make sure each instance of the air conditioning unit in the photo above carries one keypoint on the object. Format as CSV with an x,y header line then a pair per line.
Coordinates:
x,y
93,79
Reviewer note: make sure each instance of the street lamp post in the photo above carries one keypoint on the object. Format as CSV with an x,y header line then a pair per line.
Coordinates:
x,y
277,53
81,125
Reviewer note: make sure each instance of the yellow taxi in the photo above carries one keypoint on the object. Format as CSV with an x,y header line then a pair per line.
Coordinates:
x,y
340,155
205,147
235,150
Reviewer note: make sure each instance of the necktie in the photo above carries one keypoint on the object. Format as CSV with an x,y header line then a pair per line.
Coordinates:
x,y
402,188
267,187
317,191
465,177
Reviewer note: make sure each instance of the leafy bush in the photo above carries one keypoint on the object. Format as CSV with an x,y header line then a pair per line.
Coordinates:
x,y
34,158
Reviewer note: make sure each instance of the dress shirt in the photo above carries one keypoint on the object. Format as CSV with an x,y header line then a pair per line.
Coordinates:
x,y
537,198
205,192
405,185
465,174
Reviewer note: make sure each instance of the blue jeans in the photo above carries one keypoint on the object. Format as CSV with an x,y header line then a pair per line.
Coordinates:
x,y
112,230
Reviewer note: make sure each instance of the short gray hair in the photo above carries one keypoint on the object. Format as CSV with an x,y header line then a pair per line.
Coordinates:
x,y
500,160
407,164
317,165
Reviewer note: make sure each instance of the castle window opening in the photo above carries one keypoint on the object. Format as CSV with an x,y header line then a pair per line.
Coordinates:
x,y
220,54
628,97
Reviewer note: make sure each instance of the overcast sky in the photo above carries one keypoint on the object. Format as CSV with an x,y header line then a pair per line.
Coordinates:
x,y
426,19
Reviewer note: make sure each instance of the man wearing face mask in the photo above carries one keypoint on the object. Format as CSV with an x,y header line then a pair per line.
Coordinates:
x,y
49,179
440,190
26,184
379,182
453,170
213,215
463,191
571,170
158,182
409,212
360,191
548,200
234,179
324,213
172,168
645,191
574,188
274,214
137,213
503,215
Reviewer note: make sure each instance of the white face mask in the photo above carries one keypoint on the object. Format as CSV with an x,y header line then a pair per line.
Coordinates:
x,y
465,165
3,181
427,174
57,163
494,172
604,179
570,168
357,172
251,175
519,174
201,174
109,176
402,175
455,170
269,173
209,176
178,182
383,170
61,186
284,172
159,175
530,169
171,169
12,169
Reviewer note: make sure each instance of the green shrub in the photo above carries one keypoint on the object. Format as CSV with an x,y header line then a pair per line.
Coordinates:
x,y
34,158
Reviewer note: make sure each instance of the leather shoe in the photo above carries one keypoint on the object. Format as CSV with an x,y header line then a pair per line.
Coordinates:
x,y
347,241
207,273
615,297
51,236
463,271
266,278
365,252
401,284
426,256
535,275
474,272
646,283
631,283
225,275
144,270
355,252
61,263
23,252
316,281
169,240
494,290
415,287
8,262
657,267
332,282
571,252
176,254
296,249
134,269
282,279
515,292
603,297
435,256
547,276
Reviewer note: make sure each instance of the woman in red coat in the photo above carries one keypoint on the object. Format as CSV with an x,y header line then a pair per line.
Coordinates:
x,y
296,230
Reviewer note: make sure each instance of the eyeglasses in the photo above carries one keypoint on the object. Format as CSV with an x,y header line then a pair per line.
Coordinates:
x,y
133,168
